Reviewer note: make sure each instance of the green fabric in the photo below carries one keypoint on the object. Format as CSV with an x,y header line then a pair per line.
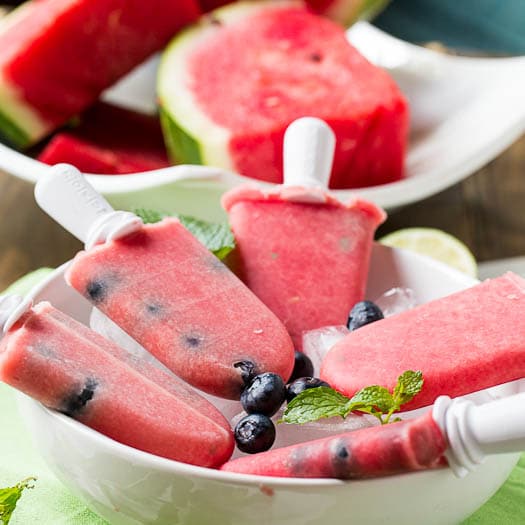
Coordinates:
x,y
507,506
51,503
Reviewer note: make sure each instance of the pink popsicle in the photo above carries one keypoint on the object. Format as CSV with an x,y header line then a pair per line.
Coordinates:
x,y
65,366
308,262
369,452
167,291
465,342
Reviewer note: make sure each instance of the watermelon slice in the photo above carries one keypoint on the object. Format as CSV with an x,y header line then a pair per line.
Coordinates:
x,y
56,56
110,140
342,11
229,88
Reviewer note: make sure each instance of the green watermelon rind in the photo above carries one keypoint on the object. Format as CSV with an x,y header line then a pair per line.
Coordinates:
x,y
21,128
181,146
183,120
372,8
11,134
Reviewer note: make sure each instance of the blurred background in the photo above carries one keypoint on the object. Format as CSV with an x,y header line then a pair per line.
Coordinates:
x,y
492,27
485,211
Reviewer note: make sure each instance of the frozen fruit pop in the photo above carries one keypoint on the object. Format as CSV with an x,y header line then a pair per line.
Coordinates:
x,y
67,367
462,343
455,432
300,250
167,291
364,453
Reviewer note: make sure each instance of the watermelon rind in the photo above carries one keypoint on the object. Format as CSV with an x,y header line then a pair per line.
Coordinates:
x,y
346,12
372,8
183,121
180,145
11,134
19,124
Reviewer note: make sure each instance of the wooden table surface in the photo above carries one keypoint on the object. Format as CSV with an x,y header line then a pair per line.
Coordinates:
x,y
486,211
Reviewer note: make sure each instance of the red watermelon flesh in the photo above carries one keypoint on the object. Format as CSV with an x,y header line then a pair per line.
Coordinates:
x,y
110,140
289,63
58,55
210,5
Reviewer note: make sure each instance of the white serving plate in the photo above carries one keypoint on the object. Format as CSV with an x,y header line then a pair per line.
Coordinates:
x,y
129,487
464,112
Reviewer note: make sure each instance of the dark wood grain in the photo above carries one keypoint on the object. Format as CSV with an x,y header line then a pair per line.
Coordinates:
x,y
29,239
486,211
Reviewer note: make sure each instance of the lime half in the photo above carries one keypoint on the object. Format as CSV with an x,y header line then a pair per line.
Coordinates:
x,y
436,244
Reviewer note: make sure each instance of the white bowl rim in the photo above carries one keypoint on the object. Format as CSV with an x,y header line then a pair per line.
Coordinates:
x,y
176,467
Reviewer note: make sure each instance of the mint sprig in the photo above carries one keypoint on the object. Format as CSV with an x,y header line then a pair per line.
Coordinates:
x,y
9,498
322,402
217,237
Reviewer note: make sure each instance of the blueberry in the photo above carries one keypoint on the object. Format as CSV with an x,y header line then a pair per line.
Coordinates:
x,y
301,384
247,369
254,433
303,367
264,395
76,401
363,312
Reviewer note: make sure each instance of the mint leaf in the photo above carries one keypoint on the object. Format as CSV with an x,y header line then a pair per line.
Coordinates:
x,y
313,404
217,237
372,396
9,498
150,216
409,384
316,403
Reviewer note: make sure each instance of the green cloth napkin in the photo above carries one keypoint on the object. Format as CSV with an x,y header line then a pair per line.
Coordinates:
x,y
50,503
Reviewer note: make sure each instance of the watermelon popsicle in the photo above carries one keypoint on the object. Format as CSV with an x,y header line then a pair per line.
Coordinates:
x,y
67,367
454,432
465,342
300,250
166,290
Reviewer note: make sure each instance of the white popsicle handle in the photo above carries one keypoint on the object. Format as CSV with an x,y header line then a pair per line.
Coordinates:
x,y
12,307
309,145
474,431
65,195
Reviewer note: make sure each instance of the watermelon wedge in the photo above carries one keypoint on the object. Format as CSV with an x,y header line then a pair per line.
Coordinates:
x,y
228,88
56,56
109,140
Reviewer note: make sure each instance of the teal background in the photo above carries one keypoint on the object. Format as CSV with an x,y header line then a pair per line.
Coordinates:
x,y
492,26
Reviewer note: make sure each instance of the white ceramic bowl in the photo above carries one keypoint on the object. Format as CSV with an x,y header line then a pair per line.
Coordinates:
x,y
464,112
129,487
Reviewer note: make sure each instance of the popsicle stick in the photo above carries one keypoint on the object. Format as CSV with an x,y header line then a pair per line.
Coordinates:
x,y
64,194
12,307
309,145
474,431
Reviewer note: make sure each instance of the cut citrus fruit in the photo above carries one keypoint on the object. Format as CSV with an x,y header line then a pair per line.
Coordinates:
x,y
436,244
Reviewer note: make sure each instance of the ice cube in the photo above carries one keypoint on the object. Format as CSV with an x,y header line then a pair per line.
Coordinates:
x,y
316,343
287,434
396,300
228,407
